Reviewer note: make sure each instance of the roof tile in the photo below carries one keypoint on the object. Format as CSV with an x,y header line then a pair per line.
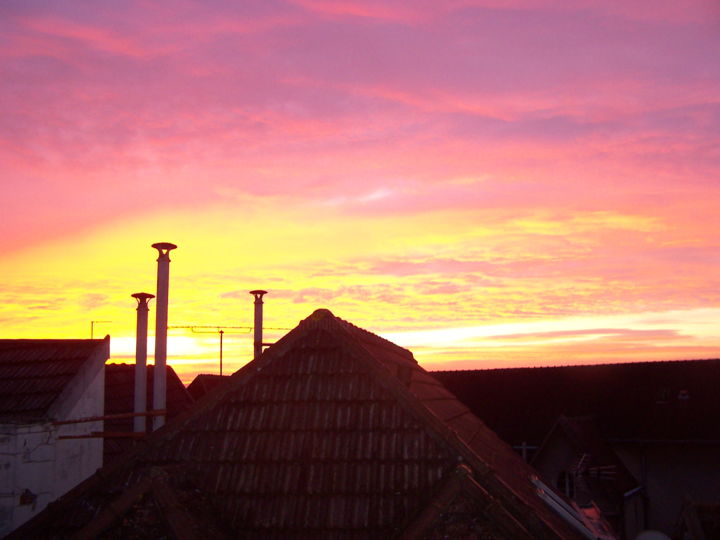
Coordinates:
x,y
319,438
34,372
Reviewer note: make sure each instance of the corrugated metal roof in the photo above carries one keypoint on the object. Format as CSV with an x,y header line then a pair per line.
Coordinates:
x,y
323,436
640,401
34,372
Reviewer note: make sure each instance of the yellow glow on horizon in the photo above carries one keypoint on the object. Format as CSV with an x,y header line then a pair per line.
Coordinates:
x,y
317,257
528,216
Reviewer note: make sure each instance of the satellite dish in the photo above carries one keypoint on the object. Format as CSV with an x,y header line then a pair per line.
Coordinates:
x,y
652,535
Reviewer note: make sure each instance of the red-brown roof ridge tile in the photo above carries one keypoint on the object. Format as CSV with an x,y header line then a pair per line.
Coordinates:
x,y
360,447
324,318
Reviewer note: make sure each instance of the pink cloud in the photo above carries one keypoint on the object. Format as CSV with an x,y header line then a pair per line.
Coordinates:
x,y
394,11
99,38
507,109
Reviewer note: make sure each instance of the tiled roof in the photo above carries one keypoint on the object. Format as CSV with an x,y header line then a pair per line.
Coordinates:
x,y
35,372
332,433
640,401
204,383
120,398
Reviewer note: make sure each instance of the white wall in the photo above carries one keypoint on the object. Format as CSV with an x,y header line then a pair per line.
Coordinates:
x,y
8,452
30,463
33,458
76,459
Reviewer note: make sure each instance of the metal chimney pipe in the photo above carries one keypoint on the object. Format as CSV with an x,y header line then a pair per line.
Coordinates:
x,y
141,360
161,323
258,340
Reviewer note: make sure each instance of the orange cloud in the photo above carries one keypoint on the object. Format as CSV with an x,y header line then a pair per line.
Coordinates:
x,y
421,168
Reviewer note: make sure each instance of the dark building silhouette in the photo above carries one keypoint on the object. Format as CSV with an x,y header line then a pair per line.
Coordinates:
x,y
659,420
585,468
333,432
119,395
43,382
204,383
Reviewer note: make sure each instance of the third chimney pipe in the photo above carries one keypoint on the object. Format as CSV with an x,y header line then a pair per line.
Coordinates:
x,y
161,323
141,360
258,345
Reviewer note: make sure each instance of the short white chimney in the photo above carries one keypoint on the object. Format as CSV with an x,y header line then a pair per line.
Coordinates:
x,y
141,360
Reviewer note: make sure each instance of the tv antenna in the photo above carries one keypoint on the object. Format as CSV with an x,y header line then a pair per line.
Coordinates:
x,y
220,330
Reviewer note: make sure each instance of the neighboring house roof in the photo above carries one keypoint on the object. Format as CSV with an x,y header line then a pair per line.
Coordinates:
x,y
598,474
36,373
601,462
120,398
332,432
204,383
647,401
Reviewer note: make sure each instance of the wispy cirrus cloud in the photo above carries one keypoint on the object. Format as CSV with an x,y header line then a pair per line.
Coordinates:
x,y
407,164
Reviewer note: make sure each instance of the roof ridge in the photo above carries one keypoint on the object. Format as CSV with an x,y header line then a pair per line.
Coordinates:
x,y
132,364
43,341
324,318
510,490
563,366
357,345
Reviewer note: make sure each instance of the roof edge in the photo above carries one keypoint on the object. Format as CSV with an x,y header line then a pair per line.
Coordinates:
x,y
566,366
458,482
73,391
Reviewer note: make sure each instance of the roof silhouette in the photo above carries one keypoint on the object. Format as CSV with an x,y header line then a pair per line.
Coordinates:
x,y
332,432
600,477
204,383
634,401
35,372
119,399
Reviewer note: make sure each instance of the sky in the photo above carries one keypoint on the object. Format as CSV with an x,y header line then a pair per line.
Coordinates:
x,y
490,183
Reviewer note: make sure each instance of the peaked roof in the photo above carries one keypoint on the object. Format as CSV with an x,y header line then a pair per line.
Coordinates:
x,y
204,383
34,373
120,398
675,401
332,432
600,462
599,475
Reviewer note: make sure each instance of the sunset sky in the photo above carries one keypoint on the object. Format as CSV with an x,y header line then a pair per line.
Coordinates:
x,y
488,183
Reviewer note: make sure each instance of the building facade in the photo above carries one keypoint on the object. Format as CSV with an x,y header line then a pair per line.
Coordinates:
x,y
42,384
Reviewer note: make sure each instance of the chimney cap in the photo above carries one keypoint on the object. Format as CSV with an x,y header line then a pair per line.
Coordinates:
x,y
164,245
142,295
258,291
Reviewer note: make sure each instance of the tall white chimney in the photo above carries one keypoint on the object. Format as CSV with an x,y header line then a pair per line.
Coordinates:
x,y
141,360
161,323
258,340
